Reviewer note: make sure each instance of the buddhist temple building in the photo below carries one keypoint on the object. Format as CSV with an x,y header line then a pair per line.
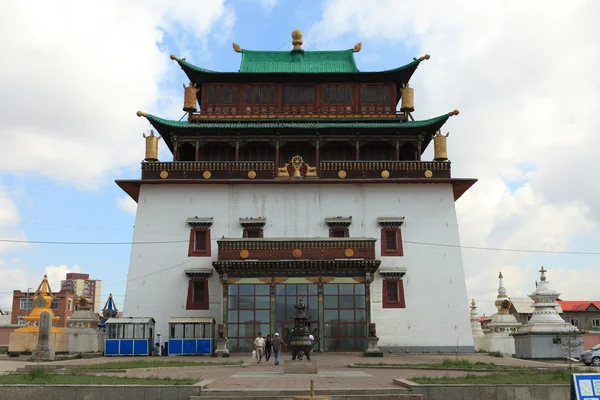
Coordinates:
x,y
299,176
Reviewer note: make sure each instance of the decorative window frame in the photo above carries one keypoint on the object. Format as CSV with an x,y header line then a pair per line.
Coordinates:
x,y
391,224
394,275
253,225
337,224
197,276
199,225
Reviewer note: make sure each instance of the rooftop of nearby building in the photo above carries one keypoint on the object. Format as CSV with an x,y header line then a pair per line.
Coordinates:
x,y
579,305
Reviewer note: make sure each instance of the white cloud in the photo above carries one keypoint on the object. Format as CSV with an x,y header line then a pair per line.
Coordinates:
x,y
76,73
523,75
127,204
57,273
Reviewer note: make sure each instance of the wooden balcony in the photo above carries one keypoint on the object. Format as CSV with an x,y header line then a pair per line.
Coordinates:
x,y
290,115
296,249
208,170
261,170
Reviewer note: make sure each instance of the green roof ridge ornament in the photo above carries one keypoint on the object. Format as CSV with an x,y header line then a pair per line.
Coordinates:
x,y
237,48
297,40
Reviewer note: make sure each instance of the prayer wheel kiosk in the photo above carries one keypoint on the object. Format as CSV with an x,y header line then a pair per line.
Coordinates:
x,y
191,336
132,336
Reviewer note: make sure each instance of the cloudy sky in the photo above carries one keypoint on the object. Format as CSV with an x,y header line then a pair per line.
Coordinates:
x,y
523,74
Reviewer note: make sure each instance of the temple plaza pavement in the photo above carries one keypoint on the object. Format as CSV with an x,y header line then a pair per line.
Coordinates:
x,y
334,372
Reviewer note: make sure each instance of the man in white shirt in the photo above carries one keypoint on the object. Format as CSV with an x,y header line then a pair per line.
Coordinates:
x,y
159,342
259,346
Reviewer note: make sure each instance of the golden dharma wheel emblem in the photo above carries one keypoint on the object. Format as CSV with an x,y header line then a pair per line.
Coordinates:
x,y
342,174
244,254
428,174
251,174
385,174
206,174
297,253
348,252
164,174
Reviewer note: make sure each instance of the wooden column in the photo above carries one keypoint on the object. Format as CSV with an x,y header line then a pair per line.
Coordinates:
x,y
321,317
273,308
225,303
419,144
197,158
175,150
276,153
397,149
357,155
368,280
317,154
237,149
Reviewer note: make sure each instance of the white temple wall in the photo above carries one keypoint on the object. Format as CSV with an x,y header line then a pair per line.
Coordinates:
x,y
500,342
434,286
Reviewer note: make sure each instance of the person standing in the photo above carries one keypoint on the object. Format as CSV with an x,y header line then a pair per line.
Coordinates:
x,y
159,344
277,344
268,346
259,346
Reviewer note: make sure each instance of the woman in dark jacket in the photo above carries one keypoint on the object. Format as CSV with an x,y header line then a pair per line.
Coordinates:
x,y
268,347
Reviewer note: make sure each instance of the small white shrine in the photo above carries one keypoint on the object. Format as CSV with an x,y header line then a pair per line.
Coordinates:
x,y
478,335
503,324
546,334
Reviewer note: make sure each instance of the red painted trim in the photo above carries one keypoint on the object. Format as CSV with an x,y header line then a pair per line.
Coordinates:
x,y
401,303
399,252
192,252
200,305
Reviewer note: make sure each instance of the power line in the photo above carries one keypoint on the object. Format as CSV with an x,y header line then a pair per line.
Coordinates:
x,y
71,179
214,240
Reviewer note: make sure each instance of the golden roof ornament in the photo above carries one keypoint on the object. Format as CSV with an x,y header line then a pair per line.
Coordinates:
x,y
190,97
297,39
237,48
151,146
425,57
408,99
357,47
439,147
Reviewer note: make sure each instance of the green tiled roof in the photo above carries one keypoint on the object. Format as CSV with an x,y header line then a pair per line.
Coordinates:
x,y
298,61
308,123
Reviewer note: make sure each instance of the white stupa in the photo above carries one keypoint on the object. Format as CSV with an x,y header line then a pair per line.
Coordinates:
x,y
545,319
502,326
503,322
476,330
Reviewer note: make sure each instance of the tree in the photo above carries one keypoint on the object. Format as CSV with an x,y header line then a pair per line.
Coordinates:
x,y
569,343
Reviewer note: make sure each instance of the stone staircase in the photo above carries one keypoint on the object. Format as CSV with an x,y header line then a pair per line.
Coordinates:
x,y
292,394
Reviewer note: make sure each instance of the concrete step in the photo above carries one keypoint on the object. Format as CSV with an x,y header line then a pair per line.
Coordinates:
x,y
283,394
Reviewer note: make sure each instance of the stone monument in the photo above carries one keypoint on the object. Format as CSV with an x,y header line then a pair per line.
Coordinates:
x,y
301,343
221,342
541,337
372,340
25,339
43,350
82,326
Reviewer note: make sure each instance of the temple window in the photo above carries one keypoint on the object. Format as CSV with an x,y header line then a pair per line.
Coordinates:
x,y
197,297
221,99
339,226
336,99
391,236
260,99
199,245
377,151
298,99
257,151
393,288
218,152
253,227
338,151
376,99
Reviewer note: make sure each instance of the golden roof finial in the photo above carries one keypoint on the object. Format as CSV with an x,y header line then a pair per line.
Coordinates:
x,y
297,39
425,57
455,112
174,57
357,47
140,114
500,275
473,302
237,48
